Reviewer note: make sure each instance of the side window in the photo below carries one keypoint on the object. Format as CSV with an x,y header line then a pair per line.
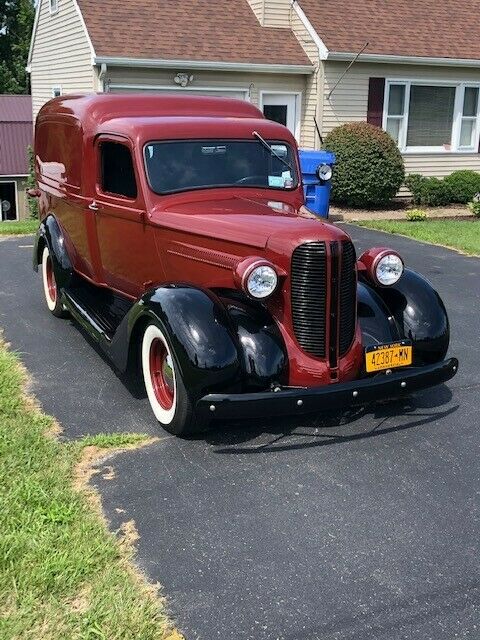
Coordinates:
x,y
118,176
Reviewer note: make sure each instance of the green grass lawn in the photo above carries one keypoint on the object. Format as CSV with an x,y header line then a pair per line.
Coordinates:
x,y
62,574
463,235
21,227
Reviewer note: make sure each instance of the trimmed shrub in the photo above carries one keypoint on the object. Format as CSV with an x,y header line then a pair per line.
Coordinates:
x,y
434,192
430,191
416,215
474,205
369,169
414,182
463,185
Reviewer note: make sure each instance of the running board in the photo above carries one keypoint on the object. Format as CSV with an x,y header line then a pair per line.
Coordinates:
x,y
84,318
97,310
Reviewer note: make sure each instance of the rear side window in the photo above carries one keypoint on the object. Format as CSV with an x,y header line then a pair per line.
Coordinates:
x,y
118,176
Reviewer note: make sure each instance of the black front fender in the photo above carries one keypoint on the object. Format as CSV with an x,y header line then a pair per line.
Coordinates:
x,y
418,313
200,334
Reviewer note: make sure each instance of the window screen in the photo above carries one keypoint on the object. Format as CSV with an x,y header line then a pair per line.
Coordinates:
x,y
118,176
430,116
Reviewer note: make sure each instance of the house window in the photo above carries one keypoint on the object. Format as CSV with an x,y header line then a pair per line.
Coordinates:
x,y
469,118
56,91
432,117
53,6
118,176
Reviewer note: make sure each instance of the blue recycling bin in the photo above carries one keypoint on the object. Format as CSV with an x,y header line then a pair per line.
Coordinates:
x,y
316,189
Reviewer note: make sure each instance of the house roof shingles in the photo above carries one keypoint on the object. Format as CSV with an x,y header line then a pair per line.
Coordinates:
x,y
421,28
199,30
16,133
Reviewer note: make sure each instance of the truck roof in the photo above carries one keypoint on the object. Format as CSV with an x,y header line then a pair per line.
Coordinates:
x,y
102,107
144,117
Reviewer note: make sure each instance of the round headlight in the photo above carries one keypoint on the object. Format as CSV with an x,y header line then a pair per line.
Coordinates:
x,y
324,172
389,269
261,282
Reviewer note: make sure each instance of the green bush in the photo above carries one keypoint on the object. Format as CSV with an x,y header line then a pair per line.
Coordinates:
x,y
369,168
474,205
416,215
463,185
435,192
430,191
414,182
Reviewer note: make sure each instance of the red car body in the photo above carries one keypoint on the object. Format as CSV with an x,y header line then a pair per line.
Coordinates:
x,y
205,238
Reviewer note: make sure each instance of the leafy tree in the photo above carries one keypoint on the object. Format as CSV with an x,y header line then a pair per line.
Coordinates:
x,y
32,184
16,23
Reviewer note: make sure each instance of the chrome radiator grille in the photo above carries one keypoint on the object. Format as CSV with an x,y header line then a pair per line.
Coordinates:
x,y
312,309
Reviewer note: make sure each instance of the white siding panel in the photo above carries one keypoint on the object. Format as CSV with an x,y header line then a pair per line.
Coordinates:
x,y
314,82
349,102
277,13
61,54
272,13
257,7
118,78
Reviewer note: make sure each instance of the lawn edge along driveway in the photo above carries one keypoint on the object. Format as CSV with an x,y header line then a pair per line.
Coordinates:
x,y
460,235
62,574
19,227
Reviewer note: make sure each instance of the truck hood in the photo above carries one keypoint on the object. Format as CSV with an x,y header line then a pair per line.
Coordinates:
x,y
248,221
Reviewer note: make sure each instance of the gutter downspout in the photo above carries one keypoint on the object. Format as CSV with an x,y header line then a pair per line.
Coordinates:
x,y
101,76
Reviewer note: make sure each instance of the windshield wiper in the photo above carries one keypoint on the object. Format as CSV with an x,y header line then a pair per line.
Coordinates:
x,y
273,152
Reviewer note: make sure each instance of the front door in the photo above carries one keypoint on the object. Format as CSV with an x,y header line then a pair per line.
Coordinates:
x,y
283,108
123,241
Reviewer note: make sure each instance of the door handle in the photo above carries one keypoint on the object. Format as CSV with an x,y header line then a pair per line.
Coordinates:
x,y
93,206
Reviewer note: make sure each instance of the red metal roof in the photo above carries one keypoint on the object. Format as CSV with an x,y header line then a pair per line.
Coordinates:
x,y
16,133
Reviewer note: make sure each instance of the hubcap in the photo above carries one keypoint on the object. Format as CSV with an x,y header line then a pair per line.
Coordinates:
x,y
161,374
52,287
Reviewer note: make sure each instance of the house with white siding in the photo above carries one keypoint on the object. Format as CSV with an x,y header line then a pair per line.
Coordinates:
x,y
412,68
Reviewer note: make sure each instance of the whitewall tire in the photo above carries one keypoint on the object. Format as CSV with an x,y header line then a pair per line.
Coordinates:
x,y
166,391
159,374
50,289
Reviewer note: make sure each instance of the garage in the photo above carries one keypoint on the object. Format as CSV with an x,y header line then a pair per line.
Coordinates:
x,y
8,200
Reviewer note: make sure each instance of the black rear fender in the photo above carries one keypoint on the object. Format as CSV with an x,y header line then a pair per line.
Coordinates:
x,y
51,235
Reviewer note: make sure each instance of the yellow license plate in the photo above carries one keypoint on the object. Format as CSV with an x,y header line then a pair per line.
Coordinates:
x,y
388,356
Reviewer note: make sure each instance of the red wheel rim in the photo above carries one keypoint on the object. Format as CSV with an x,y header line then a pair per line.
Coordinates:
x,y
52,287
161,374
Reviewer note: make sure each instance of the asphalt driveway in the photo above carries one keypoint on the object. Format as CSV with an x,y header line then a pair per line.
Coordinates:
x,y
367,528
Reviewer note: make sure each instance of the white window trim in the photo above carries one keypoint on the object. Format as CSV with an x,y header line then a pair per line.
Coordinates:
x,y
50,4
57,88
17,210
298,106
457,116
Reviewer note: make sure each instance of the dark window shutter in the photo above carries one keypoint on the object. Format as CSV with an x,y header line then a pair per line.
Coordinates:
x,y
376,92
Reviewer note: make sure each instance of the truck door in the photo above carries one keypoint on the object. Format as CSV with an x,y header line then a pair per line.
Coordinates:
x,y
119,211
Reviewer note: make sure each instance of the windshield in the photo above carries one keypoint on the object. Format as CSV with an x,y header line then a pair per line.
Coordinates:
x,y
200,164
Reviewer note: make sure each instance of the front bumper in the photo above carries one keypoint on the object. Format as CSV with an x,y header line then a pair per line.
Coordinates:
x,y
289,401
